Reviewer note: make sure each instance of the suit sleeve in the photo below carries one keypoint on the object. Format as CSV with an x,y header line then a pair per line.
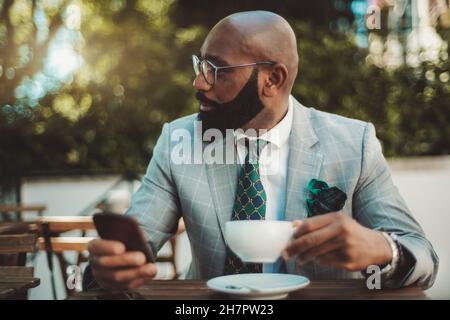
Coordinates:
x,y
377,204
155,205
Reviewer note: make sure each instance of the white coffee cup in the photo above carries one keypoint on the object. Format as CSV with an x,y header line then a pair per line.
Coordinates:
x,y
258,241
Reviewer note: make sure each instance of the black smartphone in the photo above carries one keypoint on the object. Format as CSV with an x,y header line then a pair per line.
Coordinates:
x,y
123,228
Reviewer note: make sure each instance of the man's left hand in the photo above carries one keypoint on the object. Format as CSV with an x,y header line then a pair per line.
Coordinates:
x,y
336,240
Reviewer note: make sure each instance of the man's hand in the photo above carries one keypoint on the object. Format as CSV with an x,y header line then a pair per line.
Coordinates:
x,y
336,240
113,268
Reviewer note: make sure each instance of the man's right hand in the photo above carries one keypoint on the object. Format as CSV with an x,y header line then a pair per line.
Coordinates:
x,y
114,268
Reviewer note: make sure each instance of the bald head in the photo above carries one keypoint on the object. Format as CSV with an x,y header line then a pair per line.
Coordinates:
x,y
259,36
244,95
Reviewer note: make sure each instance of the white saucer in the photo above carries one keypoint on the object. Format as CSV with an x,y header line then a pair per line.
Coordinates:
x,y
258,285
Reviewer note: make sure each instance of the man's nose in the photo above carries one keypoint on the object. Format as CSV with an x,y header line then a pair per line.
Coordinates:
x,y
200,83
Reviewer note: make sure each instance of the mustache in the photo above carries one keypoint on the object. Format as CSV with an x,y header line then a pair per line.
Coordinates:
x,y
203,99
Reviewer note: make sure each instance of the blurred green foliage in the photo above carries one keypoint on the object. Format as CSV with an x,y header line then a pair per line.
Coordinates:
x,y
136,74
410,107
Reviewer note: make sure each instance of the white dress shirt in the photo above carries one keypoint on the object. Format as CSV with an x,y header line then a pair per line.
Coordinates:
x,y
273,162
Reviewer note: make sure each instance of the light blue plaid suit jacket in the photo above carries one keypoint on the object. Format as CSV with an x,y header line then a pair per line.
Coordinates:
x,y
341,151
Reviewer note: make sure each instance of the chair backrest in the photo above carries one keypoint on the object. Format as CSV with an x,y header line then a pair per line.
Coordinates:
x,y
15,212
17,243
23,208
17,227
14,247
60,224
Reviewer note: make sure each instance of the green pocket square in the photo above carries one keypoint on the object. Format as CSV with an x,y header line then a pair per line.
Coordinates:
x,y
323,199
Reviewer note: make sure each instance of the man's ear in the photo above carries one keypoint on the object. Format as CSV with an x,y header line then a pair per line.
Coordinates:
x,y
276,80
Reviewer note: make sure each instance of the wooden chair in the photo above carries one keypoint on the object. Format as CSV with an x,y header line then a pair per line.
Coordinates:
x,y
63,244
17,243
17,227
14,248
15,282
15,278
18,210
61,224
50,240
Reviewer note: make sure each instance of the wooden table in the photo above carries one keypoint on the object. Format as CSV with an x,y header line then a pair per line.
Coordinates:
x,y
197,290
15,282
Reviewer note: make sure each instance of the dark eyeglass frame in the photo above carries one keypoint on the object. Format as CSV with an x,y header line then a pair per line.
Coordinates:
x,y
198,67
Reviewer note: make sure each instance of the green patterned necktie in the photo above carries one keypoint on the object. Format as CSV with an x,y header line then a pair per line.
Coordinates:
x,y
250,204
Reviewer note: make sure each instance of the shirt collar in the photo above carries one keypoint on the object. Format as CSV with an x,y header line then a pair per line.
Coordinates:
x,y
278,135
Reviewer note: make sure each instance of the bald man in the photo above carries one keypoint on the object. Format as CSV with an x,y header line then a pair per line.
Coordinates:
x,y
244,75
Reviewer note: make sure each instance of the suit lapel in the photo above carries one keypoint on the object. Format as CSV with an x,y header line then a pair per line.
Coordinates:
x,y
222,179
304,162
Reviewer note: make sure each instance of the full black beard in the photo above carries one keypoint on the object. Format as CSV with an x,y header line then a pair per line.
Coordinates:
x,y
235,113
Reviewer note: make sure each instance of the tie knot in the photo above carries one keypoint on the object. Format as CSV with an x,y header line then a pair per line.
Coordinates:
x,y
254,149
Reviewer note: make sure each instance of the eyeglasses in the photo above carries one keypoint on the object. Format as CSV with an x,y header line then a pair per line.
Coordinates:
x,y
209,70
